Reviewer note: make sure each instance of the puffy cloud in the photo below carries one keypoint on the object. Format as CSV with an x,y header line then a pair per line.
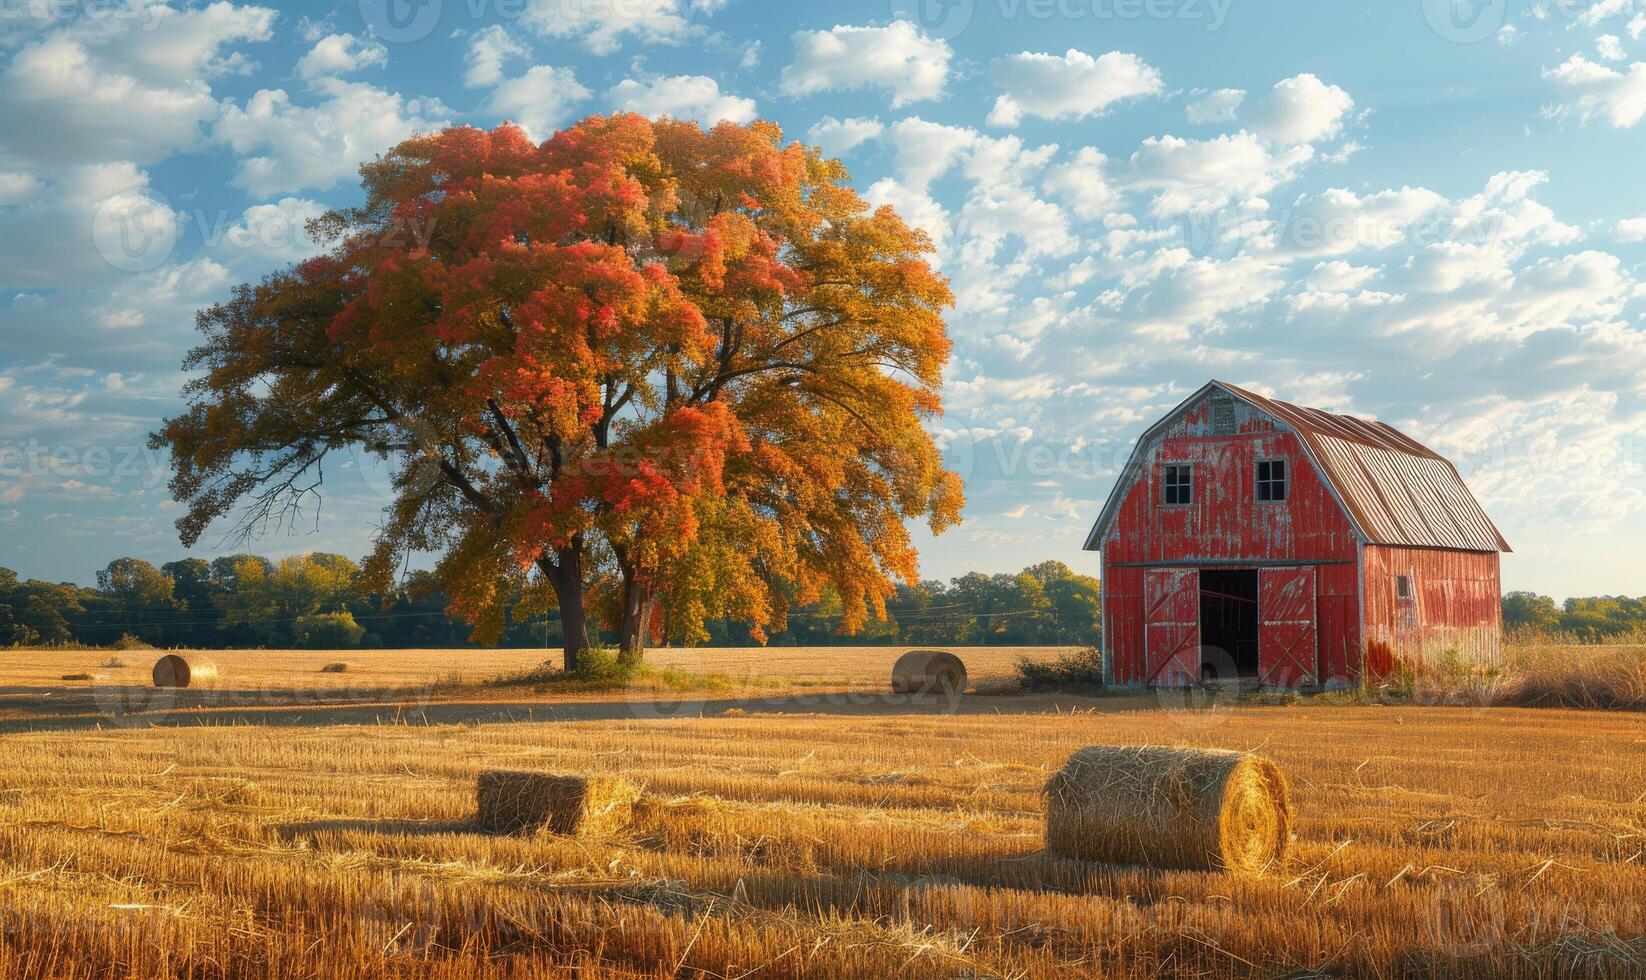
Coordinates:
x,y
1631,229
1591,89
1301,109
924,151
18,188
602,27
286,147
118,88
340,54
915,207
540,100
267,235
1339,221
681,97
91,224
897,58
1200,175
1073,86
1083,185
1337,276
1218,105
491,49
1610,48
837,137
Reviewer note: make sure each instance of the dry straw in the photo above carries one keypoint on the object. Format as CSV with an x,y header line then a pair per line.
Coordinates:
x,y
575,806
173,670
928,672
1194,809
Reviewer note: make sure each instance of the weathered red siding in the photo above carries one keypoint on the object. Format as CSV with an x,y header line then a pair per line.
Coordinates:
x,y
1399,491
1227,523
1454,611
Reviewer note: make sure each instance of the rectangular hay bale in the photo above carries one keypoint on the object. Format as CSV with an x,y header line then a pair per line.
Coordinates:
x,y
510,801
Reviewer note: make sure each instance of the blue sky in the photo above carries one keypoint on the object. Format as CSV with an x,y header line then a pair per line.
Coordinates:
x,y
1424,211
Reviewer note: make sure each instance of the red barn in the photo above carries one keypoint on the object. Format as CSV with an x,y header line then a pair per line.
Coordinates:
x,y
1252,537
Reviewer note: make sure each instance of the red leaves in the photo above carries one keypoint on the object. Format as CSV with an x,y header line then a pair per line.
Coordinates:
x,y
698,348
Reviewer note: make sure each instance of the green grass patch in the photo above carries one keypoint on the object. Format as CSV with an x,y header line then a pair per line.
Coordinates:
x,y
602,669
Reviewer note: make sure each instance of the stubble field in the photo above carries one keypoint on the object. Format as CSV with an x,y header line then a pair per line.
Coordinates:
x,y
796,823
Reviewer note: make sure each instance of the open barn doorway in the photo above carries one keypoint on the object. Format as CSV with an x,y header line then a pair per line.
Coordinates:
x,y
1228,624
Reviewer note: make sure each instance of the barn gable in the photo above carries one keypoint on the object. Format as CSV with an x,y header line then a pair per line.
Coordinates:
x,y
1392,489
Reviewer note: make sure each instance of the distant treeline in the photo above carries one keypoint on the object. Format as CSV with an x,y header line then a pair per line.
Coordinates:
x,y
314,601
1591,619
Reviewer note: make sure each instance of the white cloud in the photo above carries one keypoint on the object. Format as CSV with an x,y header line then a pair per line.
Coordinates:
x,y
491,48
1631,229
897,58
267,235
1610,48
695,97
1199,175
1301,109
1083,185
286,147
1073,86
18,188
57,236
1338,276
106,89
1602,10
1591,89
602,26
915,207
540,101
1337,221
837,137
1218,105
340,54
924,151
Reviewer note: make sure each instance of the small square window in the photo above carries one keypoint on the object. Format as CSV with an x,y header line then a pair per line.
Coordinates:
x,y
1271,480
1177,481
1403,586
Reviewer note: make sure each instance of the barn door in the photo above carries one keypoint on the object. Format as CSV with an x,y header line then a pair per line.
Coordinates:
x,y
1171,626
1286,647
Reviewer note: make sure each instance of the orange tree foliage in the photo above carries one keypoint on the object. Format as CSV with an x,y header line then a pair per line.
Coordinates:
x,y
667,372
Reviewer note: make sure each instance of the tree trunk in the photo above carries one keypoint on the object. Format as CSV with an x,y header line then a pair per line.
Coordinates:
x,y
637,609
565,573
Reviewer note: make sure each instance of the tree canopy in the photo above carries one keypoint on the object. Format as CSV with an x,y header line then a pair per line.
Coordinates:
x,y
666,373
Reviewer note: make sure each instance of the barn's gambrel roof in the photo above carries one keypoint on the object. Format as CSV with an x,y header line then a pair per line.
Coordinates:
x,y
1393,489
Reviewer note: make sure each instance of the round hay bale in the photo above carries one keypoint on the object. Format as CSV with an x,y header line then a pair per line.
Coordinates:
x,y
174,670
1195,809
928,672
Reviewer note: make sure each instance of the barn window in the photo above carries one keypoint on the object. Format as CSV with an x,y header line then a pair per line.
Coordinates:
x,y
1178,483
1403,586
1271,480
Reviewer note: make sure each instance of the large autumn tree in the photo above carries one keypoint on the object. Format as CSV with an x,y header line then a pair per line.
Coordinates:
x,y
638,368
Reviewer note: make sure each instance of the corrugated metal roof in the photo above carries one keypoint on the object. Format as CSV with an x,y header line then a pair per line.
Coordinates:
x,y
1397,490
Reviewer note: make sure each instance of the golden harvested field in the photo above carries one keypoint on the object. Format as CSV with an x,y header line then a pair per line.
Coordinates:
x,y
813,831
